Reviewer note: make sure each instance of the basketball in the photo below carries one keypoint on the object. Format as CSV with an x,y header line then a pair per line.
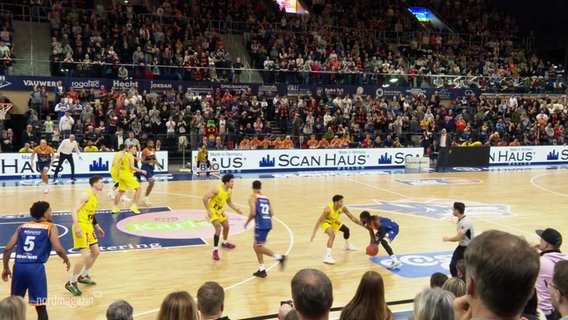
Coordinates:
x,y
372,250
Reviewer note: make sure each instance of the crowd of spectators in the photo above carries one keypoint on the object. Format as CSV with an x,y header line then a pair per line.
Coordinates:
x,y
239,119
134,41
175,41
6,44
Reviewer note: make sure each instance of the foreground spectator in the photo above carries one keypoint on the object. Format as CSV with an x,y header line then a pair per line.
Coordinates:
x,y
501,271
369,300
312,296
550,255
558,288
119,310
211,301
433,304
13,308
178,305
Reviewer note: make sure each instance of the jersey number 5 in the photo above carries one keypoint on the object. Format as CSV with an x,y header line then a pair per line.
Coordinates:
x,y
29,243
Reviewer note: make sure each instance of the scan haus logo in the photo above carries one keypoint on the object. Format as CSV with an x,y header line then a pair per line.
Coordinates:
x,y
154,228
434,208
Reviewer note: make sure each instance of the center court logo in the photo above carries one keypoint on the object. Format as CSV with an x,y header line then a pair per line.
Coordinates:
x,y
176,224
419,265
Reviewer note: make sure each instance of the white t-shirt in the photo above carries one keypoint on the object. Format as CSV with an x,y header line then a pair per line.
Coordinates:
x,y
464,226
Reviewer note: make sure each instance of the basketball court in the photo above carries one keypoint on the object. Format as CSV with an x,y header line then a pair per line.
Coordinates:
x,y
168,247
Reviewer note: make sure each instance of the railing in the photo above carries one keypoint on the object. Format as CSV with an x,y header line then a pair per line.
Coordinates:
x,y
494,83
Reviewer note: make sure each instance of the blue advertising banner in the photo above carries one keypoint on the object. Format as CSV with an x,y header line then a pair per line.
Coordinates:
x,y
27,83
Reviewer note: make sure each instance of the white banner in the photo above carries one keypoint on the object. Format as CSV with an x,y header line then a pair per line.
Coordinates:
x,y
18,164
309,159
528,155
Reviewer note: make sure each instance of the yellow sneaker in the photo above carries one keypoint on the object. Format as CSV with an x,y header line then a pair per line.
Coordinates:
x,y
134,209
115,210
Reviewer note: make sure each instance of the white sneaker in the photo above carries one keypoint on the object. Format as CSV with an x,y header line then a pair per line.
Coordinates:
x,y
124,198
349,246
45,190
111,194
329,260
147,202
395,265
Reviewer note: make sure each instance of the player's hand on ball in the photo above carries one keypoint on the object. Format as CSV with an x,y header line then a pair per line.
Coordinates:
x,y
372,250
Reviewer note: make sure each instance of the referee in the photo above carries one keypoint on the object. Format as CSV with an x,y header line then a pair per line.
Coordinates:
x,y
65,152
463,236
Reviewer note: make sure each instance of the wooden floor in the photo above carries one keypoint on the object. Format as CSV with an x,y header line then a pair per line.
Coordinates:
x,y
537,200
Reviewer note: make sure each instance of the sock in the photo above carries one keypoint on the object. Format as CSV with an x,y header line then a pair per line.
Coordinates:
x,y
261,267
74,278
145,199
328,252
224,241
277,256
46,185
394,258
41,312
216,241
85,272
346,242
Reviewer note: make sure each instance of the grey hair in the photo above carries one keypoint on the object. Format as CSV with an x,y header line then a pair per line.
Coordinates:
x,y
119,310
434,304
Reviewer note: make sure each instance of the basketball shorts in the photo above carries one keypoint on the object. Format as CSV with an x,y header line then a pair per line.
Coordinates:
x,y
336,225
89,236
127,183
218,216
42,165
260,236
30,277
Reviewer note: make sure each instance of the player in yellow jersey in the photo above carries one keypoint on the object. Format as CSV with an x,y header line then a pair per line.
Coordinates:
x,y
84,236
125,172
114,172
214,202
330,224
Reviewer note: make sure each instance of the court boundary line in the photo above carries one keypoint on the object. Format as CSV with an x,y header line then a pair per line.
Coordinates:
x,y
290,245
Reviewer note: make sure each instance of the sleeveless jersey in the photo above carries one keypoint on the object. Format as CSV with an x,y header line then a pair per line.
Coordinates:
x,y
125,163
262,217
33,245
334,214
43,155
217,202
116,155
386,223
150,155
87,212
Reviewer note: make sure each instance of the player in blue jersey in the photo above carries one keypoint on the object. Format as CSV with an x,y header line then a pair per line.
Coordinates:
x,y
34,241
261,211
383,231
149,162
